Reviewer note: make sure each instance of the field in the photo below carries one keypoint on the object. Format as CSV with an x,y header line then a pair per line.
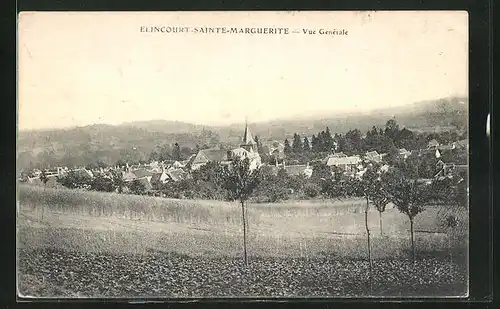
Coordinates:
x,y
76,244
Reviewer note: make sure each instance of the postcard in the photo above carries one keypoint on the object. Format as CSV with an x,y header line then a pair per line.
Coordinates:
x,y
259,155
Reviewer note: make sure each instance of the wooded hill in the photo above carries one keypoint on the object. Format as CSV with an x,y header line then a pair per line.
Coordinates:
x,y
135,141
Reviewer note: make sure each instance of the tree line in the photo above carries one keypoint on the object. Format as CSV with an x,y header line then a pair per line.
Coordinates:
x,y
383,140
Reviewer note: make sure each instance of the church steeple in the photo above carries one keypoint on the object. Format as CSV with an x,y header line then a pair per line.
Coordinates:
x,y
248,142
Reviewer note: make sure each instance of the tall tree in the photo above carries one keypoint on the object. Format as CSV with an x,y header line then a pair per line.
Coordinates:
x,y
288,148
391,129
405,139
258,144
354,142
328,140
297,146
307,146
314,144
240,181
176,152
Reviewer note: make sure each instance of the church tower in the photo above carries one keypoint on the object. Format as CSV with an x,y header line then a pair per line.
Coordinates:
x,y
248,143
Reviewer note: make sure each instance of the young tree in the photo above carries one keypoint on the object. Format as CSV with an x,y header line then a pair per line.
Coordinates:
x,y
408,195
368,185
240,181
44,179
380,199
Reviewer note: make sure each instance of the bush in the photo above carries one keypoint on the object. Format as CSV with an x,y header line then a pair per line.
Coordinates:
x,y
137,187
311,190
74,180
102,184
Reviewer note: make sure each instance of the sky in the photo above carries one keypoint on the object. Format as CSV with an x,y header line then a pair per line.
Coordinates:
x,y
84,68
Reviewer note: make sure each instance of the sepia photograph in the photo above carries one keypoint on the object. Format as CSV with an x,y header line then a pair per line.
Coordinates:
x,y
258,155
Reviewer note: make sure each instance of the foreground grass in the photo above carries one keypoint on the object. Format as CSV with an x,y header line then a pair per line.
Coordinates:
x,y
112,245
315,216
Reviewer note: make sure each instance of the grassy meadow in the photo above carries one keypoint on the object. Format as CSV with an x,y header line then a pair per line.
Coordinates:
x,y
111,224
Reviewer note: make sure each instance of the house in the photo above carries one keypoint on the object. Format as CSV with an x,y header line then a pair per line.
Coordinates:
x,y
461,144
177,174
424,152
446,147
36,172
348,164
403,153
146,183
178,164
296,170
188,160
273,147
160,178
141,173
433,144
373,156
208,155
292,170
129,176
51,182
335,155
339,155
383,169
85,172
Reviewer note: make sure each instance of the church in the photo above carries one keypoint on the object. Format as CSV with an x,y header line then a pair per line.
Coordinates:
x,y
247,149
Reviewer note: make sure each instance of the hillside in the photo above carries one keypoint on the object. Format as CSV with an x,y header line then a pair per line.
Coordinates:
x,y
136,140
430,115
86,145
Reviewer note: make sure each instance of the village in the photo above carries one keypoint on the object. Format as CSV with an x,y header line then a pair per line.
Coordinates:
x,y
151,177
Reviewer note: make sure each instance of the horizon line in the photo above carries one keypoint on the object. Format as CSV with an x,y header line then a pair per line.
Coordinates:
x,y
319,115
